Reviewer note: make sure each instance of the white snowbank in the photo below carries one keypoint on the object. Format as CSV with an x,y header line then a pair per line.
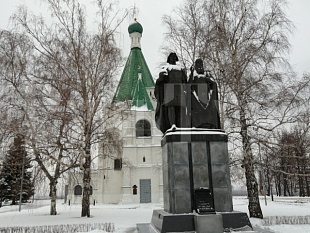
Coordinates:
x,y
281,215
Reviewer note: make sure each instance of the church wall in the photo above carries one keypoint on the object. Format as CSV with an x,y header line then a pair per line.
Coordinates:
x,y
106,187
76,179
110,182
143,156
146,172
141,159
110,179
135,156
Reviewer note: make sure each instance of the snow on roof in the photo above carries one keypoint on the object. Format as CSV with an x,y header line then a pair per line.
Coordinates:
x,y
140,109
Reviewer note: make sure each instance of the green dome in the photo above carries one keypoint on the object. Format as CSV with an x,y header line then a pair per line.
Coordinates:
x,y
135,27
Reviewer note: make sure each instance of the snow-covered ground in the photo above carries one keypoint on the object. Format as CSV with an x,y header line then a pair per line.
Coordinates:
x,y
125,217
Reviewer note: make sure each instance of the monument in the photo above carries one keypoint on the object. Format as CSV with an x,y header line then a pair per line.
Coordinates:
x,y
197,188
170,92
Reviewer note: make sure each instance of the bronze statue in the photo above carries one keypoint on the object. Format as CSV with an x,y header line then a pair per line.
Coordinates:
x,y
171,96
204,98
185,104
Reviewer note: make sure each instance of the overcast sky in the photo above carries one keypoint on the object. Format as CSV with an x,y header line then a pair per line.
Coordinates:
x,y
150,16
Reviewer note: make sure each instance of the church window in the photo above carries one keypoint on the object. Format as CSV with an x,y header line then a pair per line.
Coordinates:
x,y
117,164
143,159
78,190
134,190
143,128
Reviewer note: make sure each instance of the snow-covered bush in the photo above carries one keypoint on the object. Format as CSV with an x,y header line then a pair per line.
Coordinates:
x,y
106,227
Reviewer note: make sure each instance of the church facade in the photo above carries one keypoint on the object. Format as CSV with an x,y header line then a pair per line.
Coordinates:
x,y
134,173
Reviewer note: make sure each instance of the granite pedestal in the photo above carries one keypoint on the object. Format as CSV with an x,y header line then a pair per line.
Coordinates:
x,y
195,160
197,187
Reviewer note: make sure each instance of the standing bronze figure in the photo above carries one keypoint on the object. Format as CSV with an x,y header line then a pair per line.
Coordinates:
x,y
171,96
204,98
186,103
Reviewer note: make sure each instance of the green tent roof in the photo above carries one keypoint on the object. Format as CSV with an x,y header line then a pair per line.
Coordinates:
x,y
140,96
128,82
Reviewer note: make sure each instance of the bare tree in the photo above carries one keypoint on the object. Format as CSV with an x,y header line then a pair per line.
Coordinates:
x,y
86,64
288,163
291,167
41,118
244,43
185,32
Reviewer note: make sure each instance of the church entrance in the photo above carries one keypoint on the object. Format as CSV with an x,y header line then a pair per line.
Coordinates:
x,y
145,191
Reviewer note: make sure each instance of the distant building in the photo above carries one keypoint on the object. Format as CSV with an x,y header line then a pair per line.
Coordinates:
x,y
134,174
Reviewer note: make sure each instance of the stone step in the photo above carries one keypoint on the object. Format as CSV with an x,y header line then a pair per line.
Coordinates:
x,y
146,228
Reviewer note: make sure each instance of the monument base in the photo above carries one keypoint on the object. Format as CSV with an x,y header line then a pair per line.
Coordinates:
x,y
163,222
196,185
196,172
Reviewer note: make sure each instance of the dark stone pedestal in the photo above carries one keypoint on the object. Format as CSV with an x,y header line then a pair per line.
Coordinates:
x,y
236,220
163,222
194,160
197,188
166,222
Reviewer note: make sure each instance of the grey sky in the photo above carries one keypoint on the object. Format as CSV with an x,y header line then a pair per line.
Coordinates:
x,y
298,13
150,16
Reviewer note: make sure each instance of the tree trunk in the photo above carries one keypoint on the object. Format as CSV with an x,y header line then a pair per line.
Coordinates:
x,y
292,188
304,178
53,196
301,186
285,185
268,183
251,181
279,187
300,179
252,189
307,187
86,183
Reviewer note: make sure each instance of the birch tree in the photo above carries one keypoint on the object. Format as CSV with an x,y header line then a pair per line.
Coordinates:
x,y
244,43
33,112
86,63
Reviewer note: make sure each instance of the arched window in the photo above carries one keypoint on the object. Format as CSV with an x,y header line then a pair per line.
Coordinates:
x,y
143,128
91,190
78,190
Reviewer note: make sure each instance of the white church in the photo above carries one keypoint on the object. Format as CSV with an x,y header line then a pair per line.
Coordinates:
x,y
135,174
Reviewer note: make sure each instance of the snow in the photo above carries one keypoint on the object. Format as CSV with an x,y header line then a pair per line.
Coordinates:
x,y
169,67
192,131
142,108
199,75
125,217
